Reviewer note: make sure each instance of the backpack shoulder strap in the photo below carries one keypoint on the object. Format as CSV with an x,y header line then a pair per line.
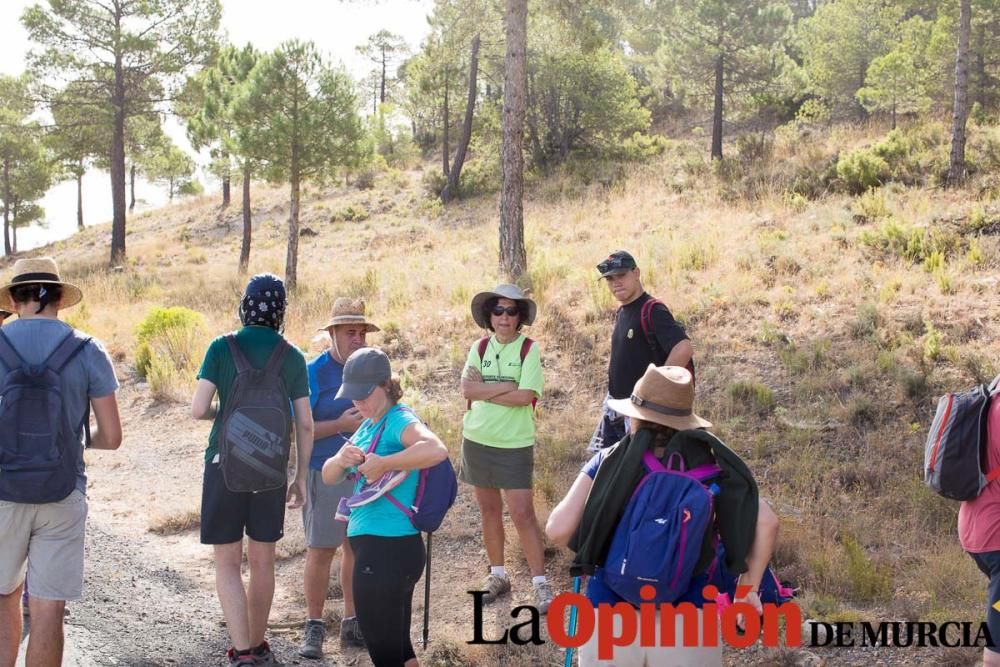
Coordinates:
x,y
646,320
525,348
66,350
240,359
483,344
277,357
10,357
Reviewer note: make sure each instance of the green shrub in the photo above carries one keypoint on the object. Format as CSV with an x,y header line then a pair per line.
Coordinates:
x,y
870,582
169,344
911,243
861,170
350,213
640,147
870,206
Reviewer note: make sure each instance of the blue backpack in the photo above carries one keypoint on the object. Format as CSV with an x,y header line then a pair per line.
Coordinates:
x,y
39,449
436,492
659,539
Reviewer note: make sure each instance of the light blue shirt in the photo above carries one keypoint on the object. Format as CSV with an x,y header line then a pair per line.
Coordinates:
x,y
381,517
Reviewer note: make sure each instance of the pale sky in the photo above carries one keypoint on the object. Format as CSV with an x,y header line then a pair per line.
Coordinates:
x,y
335,26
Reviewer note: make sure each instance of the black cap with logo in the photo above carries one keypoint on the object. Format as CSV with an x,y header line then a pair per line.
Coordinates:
x,y
617,263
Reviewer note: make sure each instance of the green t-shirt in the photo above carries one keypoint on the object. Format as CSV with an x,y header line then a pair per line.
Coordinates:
x,y
257,343
498,425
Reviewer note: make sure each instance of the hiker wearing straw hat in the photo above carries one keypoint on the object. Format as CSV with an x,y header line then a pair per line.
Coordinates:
x,y
645,332
502,380
43,513
335,420
257,375
663,422
385,456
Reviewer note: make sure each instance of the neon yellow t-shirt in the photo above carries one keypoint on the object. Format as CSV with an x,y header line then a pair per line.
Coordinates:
x,y
498,425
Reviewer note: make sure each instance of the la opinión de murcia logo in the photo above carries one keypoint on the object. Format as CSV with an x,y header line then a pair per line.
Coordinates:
x,y
777,625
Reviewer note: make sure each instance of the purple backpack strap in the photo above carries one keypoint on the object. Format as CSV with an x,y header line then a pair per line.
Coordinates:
x,y
374,442
701,473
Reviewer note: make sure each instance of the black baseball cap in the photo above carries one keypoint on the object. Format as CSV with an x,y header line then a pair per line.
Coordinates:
x,y
364,370
617,263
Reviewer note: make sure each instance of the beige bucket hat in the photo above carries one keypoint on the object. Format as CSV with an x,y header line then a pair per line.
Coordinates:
x,y
663,395
349,311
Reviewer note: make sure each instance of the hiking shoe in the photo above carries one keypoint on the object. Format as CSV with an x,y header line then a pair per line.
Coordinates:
x,y
495,587
371,492
312,643
262,655
241,659
343,512
350,633
543,596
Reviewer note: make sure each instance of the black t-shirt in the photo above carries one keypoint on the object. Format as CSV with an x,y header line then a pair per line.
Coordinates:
x,y
631,353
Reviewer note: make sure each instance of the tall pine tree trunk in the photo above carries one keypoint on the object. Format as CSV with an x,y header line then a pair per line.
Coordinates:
x,y
292,258
131,187
118,168
381,96
79,197
717,109
6,206
444,128
960,113
513,262
247,226
225,190
451,186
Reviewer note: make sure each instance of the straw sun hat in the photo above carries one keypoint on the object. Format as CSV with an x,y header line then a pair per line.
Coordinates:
x,y
39,270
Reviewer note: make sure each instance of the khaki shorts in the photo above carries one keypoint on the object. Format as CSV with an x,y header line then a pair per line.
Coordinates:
x,y
322,530
47,541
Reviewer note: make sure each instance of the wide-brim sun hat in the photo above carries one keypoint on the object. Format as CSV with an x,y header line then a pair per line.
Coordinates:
x,y
349,311
663,395
502,291
364,370
39,270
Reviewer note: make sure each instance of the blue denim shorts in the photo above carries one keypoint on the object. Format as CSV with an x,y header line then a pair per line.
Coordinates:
x,y
989,563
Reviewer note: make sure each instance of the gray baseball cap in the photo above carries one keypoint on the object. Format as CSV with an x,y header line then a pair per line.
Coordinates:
x,y
364,370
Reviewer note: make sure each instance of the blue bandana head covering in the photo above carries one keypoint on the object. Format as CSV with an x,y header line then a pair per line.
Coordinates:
x,y
263,302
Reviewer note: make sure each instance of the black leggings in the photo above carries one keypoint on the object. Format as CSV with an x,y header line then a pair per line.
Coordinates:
x,y
385,571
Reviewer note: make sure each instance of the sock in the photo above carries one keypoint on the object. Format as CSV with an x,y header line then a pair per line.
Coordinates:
x,y
540,579
348,618
315,620
498,570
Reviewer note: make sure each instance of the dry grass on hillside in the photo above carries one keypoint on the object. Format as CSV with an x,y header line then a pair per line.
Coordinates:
x,y
821,339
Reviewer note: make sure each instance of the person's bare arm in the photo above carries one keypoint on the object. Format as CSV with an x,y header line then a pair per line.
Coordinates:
x,y
108,434
421,449
303,444
201,403
565,518
516,398
680,355
474,389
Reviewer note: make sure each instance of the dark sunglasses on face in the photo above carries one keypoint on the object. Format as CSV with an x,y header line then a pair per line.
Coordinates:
x,y
500,310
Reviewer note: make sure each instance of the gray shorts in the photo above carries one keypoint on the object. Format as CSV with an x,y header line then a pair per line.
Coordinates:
x,y
322,530
496,467
45,540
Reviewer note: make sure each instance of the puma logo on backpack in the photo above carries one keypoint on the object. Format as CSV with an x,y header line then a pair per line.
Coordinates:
x,y
39,449
255,437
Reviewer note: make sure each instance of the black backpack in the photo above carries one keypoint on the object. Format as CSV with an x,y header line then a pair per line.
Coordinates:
x,y
255,437
955,453
39,449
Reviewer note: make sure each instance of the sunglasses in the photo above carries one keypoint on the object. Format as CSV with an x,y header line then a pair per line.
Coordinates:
x,y
610,264
509,310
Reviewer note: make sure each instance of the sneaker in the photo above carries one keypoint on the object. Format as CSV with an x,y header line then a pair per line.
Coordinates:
x,y
495,587
312,643
372,492
543,596
343,512
241,659
350,633
262,655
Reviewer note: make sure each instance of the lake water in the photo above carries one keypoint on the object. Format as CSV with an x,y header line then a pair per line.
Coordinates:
x,y
60,207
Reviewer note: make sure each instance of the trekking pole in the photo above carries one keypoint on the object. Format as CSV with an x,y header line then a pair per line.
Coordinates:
x,y
427,589
572,624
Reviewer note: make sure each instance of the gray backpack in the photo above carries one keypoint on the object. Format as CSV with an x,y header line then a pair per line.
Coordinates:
x,y
255,437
